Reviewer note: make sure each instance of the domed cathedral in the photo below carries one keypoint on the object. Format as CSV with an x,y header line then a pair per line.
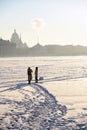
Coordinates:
x,y
17,40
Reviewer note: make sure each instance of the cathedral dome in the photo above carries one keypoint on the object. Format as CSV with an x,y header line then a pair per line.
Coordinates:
x,y
15,37
17,40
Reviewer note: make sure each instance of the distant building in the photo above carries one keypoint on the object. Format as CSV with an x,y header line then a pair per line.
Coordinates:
x,y
6,48
17,40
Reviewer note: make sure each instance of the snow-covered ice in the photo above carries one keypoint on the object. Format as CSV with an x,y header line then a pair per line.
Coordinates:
x,y
57,102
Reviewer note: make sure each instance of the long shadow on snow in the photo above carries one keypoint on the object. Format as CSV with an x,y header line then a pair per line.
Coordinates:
x,y
18,86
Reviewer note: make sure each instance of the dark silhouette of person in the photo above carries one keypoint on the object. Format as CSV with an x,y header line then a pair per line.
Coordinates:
x,y
36,74
29,72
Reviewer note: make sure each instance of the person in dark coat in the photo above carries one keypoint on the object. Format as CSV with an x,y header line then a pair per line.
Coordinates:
x,y
36,74
29,72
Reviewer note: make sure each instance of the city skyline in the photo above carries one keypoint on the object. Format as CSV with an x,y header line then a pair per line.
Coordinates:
x,y
65,21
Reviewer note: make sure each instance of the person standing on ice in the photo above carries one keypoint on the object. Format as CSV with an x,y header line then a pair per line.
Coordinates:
x,y
36,74
29,72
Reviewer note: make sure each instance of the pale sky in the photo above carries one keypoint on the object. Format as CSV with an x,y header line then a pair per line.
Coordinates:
x,y
65,21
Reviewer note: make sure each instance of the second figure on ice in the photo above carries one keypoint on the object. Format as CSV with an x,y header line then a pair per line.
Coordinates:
x,y
36,74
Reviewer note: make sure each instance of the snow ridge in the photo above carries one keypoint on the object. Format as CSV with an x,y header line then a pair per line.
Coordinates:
x,y
37,110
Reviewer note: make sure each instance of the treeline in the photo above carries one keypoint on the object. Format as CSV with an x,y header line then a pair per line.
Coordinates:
x,y
57,50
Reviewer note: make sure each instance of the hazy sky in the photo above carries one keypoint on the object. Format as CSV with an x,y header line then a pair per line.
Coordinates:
x,y
65,21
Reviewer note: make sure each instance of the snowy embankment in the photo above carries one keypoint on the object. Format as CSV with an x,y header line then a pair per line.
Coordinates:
x,y
32,107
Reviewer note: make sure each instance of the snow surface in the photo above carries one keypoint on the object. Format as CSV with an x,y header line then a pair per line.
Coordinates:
x,y
57,102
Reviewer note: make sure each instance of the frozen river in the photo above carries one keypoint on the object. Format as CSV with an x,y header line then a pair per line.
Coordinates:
x,y
64,77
